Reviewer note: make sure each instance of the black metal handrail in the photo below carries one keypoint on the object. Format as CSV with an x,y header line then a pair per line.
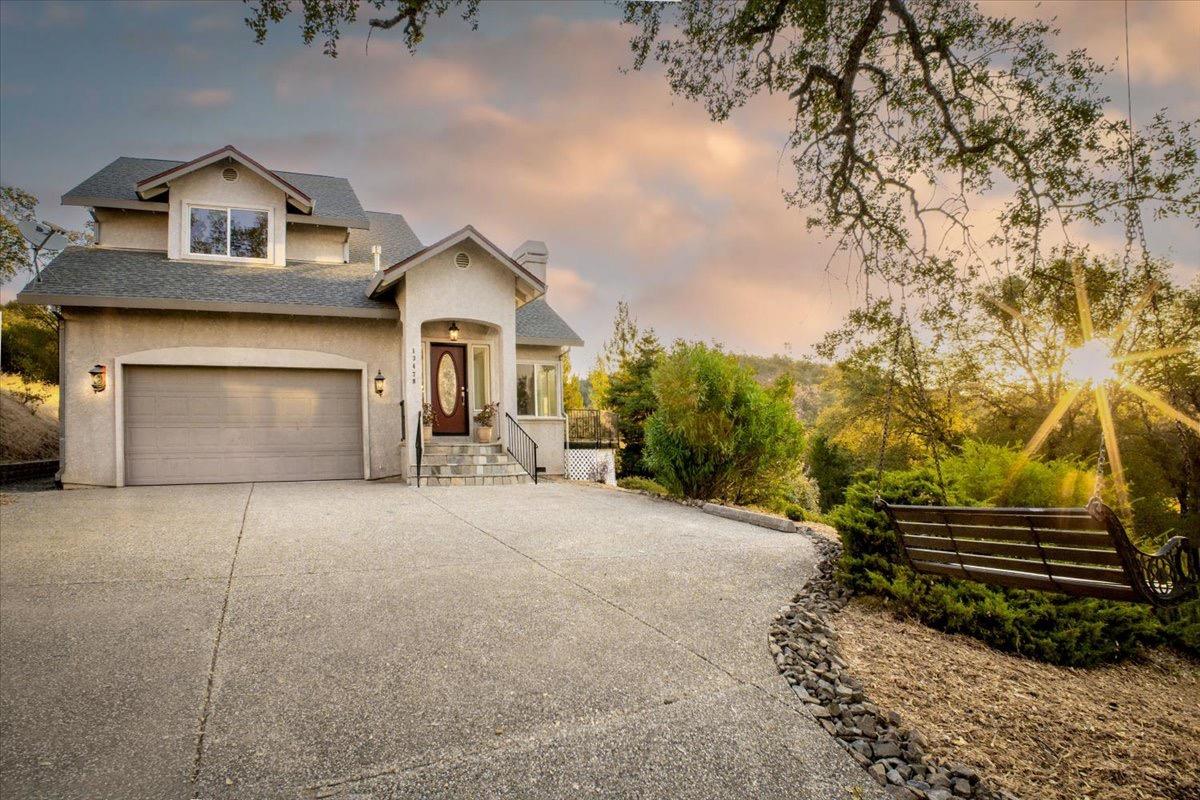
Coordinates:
x,y
403,423
521,446
420,434
591,428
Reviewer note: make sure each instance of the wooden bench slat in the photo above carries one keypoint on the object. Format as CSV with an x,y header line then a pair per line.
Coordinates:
x,y
1033,566
1106,558
1064,538
1024,580
1053,519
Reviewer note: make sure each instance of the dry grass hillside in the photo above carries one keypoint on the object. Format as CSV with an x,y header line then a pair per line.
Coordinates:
x,y
25,436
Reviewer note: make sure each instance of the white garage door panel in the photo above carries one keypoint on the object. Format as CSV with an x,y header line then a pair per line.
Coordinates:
x,y
228,425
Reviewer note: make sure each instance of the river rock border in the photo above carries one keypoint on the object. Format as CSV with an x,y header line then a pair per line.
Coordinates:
x,y
804,646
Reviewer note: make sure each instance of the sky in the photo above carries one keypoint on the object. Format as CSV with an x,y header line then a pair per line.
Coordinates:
x,y
527,128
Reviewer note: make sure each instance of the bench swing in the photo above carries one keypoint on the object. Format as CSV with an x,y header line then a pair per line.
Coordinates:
x,y
1084,552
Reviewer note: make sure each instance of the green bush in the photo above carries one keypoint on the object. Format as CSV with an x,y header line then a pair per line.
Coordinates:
x,y
831,467
719,435
1050,627
983,474
795,513
640,484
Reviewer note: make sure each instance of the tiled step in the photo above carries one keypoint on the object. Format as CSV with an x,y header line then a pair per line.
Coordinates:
x,y
473,470
462,448
432,459
477,480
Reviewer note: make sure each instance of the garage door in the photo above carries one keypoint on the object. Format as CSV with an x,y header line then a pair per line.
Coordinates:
x,y
230,425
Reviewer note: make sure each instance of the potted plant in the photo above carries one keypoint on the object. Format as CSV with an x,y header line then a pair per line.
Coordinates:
x,y
427,421
484,419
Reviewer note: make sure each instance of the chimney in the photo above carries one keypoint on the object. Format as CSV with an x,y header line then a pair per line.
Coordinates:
x,y
376,251
533,256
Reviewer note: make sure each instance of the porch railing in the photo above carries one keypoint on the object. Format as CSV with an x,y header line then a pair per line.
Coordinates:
x,y
521,446
591,428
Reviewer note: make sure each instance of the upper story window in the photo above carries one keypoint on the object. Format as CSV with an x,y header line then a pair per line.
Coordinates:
x,y
240,233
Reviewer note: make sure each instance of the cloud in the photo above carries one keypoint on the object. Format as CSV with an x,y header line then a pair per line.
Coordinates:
x,y
568,290
208,98
62,14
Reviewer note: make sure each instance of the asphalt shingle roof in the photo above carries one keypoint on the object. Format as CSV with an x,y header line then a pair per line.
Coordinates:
x,y
391,231
333,198
136,274
538,323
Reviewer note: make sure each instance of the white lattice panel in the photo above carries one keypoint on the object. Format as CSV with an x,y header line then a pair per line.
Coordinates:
x,y
598,466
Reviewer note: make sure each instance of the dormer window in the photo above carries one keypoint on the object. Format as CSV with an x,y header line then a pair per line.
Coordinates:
x,y
242,234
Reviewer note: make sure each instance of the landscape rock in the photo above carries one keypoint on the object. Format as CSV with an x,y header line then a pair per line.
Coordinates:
x,y
803,644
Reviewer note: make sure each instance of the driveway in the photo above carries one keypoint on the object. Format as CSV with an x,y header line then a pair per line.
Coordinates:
x,y
370,640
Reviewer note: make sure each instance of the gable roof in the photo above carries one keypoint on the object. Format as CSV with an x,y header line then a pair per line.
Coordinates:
x,y
391,275
538,323
115,185
157,184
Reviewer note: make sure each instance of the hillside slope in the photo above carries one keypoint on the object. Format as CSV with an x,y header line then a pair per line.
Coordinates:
x,y
25,436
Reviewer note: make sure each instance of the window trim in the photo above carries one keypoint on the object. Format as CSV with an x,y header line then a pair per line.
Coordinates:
x,y
535,363
186,230
473,388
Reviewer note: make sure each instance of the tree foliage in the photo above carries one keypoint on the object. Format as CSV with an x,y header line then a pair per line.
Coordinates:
x,y
16,205
326,18
30,335
716,434
908,111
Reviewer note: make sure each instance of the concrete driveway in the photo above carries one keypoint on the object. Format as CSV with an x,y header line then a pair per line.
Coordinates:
x,y
364,640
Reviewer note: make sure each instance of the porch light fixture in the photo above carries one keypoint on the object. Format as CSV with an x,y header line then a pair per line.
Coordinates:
x,y
379,383
98,372
454,331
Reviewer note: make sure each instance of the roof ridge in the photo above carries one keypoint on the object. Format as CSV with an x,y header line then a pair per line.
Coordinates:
x,y
273,169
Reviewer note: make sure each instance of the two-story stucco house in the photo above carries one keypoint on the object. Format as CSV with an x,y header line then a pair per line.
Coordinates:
x,y
232,322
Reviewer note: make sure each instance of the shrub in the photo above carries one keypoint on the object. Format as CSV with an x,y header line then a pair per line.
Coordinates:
x,y
831,467
719,435
639,484
795,513
1050,627
981,472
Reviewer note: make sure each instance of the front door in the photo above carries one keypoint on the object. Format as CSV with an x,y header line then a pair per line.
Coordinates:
x,y
449,393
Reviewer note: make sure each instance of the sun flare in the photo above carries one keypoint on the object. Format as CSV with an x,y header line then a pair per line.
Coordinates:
x,y
1092,362
1097,364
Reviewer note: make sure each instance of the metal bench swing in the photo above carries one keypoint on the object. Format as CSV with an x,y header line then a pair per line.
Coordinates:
x,y
1077,551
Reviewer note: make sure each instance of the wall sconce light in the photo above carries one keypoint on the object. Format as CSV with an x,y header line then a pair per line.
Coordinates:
x,y
97,372
454,331
379,383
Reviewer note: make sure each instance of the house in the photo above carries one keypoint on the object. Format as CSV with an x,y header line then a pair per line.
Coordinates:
x,y
233,322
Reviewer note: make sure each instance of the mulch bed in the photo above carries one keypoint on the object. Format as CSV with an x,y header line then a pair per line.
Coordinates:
x,y
1129,731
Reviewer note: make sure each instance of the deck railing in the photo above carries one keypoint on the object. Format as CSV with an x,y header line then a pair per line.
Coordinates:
x,y
521,446
591,428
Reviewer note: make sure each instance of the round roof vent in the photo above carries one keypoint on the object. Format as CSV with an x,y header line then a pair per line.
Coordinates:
x,y
230,174
462,260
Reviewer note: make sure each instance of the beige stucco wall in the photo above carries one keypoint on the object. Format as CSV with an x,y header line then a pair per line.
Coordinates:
x,y
322,243
548,433
207,187
131,230
101,336
483,293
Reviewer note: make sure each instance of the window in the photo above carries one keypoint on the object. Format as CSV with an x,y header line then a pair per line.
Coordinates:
x,y
481,378
229,232
537,390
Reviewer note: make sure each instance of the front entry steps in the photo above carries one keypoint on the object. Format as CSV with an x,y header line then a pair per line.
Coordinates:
x,y
468,464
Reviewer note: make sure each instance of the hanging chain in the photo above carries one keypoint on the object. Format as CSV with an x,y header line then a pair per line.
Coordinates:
x,y
1101,462
887,409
